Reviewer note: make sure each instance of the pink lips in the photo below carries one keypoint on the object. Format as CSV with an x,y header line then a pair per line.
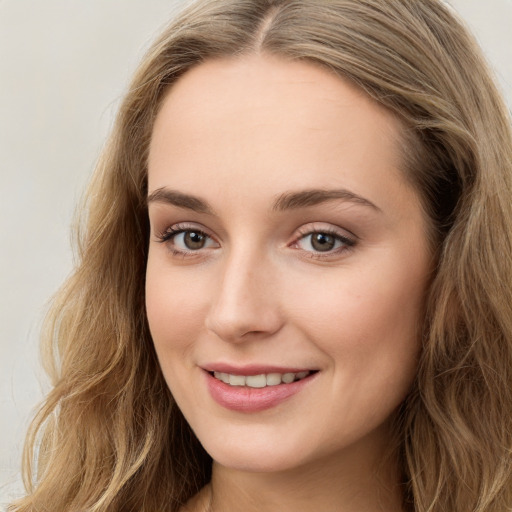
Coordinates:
x,y
247,399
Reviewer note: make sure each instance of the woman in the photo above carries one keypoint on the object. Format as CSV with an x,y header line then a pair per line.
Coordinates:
x,y
295,278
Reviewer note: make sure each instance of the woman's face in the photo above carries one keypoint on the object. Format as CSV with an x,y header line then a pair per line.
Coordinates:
x,y
286,245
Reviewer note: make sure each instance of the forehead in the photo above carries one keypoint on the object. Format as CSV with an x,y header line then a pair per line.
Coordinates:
x,y
258,119
259,88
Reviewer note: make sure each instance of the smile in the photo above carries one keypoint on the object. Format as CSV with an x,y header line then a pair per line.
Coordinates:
x,y
260,381
252,390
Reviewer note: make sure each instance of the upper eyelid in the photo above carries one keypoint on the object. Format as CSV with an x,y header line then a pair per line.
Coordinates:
x,y
345,240
179,227
301,232
308,229
174,230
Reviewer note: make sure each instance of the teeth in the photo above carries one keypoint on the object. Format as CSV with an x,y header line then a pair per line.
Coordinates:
x,y
288,378
260,381
236,380
224,377
273,379
256,381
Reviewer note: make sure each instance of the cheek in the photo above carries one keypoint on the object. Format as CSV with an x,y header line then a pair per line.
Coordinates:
x,y
367,322
362,302
174,306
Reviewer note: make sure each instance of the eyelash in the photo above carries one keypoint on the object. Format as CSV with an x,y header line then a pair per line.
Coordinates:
x,y
166,237
347,243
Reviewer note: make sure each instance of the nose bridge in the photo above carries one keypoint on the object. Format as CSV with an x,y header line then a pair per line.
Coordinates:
x,y
244,301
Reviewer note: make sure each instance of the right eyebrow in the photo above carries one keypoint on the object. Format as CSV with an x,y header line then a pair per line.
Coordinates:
x,y
179,199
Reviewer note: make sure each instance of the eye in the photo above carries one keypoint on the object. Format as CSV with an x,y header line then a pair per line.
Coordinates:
x,y
321,242
186,239
324,241
191,240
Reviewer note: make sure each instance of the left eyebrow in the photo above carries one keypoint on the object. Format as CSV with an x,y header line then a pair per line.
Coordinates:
x,y
313,197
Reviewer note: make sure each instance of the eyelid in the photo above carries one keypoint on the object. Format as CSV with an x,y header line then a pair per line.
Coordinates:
x,y
321,227
348,239
180,227
167,235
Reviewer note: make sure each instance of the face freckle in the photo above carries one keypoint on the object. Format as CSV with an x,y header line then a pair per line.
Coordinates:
x,y
284,241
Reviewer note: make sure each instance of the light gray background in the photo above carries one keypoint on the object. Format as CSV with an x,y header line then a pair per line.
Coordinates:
x,y
64,65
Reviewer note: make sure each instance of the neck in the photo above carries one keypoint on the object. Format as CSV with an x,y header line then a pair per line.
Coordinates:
x,y
352,481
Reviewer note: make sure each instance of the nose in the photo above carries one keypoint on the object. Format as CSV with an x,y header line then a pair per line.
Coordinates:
x,y
245,305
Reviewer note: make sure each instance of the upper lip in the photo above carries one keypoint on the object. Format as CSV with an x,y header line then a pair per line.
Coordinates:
x,y
253,369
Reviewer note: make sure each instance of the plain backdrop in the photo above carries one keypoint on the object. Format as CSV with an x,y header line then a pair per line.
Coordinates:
x,y
64,65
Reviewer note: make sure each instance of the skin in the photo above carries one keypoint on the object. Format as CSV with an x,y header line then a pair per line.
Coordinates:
x,y
239,134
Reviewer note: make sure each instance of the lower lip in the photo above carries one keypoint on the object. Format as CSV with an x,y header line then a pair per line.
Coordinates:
x,y
246,399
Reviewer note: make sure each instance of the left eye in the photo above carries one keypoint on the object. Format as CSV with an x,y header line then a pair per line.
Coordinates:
x,y
322,242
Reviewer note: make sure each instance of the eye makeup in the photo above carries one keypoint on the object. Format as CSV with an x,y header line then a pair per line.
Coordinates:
x,y
315,241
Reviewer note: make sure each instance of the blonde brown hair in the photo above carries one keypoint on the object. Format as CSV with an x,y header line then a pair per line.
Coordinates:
x,y
109,436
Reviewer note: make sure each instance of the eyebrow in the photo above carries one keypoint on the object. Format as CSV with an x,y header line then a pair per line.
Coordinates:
x,y
286,201
312,197
175,198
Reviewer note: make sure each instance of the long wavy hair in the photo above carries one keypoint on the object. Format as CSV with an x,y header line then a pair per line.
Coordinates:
x,y
109,435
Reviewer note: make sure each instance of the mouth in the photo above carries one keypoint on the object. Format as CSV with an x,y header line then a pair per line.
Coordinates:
x,y
262,380
252,389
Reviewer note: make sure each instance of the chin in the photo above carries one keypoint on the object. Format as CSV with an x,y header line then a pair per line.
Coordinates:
x,y
258,455
250,461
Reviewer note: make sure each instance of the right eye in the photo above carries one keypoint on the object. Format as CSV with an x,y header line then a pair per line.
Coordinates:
x,y
191,240
186,240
